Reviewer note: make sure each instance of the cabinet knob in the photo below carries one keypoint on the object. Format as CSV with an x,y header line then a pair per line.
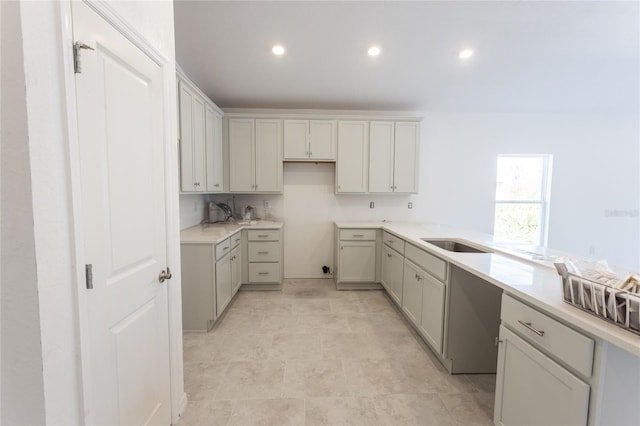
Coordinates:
x,y
388,254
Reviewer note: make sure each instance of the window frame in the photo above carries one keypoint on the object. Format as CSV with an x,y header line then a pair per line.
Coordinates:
x,y
545,193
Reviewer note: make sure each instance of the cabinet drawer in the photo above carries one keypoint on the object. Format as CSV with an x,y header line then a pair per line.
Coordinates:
x,y
264,272
264,252
357,234
235,239
394,242
223,248
430,263
566,344
263,235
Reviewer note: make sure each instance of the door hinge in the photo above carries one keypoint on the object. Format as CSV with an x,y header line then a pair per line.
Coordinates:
x,y
77,64
88,275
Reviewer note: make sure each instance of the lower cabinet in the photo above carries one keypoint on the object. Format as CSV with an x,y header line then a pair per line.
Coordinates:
x,y
211,276
412,292
264,256
236,270
532,389
357,261
432,318
423,303
392,273
223,283
198,286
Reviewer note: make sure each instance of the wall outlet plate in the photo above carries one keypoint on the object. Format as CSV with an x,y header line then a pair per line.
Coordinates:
x,y
372,205
410,205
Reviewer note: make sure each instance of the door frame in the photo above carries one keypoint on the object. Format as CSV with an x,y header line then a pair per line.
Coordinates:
x,y
172,218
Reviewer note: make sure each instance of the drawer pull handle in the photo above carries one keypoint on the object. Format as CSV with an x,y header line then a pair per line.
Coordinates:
x,y
225,248
388,254
263,252
262,236
263,273
390,241
530,327
358,235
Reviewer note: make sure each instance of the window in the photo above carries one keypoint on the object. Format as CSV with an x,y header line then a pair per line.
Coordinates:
x,y
522,198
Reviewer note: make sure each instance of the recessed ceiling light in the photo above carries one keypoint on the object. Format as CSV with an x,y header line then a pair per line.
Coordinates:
x,y
465,54
373,51
278,49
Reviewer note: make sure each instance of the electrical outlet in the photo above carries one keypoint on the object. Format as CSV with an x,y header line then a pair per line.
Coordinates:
x,y
410,205
372,205
266,204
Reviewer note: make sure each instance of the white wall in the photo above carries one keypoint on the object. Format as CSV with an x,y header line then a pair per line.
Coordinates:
x,y
21,379
44,49
193,208
595,169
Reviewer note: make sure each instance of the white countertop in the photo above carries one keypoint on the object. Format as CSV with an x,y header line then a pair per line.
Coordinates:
x,y
516,272
214,233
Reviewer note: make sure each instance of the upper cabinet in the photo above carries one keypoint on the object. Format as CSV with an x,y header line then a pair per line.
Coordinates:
x,y
213,143
310,140
352,165
200,127
192,148
393,156
255,155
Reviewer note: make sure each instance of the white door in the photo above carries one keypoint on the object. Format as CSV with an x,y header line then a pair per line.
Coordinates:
x,y
268,156
120,114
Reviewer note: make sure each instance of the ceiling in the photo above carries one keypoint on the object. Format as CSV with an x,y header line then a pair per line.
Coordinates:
x,y
530,56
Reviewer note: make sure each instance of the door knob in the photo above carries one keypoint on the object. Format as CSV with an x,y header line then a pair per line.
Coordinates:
x,y
164,275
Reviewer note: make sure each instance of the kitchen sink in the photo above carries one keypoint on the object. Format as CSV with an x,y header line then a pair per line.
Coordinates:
x,y
451,245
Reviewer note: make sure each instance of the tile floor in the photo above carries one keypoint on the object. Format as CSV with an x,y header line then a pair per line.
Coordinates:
x,y
311,355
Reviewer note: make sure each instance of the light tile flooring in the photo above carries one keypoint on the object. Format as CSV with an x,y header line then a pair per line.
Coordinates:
x,y
311,355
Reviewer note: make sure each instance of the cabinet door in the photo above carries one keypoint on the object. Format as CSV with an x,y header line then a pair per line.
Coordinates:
x,y
432,318
268,156
236,270
241,155
192,155
223,283
213,143
357,261
392,273
405,174
322,142
296,144
532,389
412,292
352,166
381,142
